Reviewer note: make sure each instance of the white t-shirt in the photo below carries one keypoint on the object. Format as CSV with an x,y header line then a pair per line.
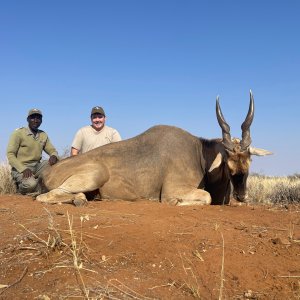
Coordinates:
x,y
87,138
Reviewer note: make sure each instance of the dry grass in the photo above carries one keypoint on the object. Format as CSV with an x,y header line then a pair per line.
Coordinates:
x,y
222,268
7,185
192,285
69,249
274,190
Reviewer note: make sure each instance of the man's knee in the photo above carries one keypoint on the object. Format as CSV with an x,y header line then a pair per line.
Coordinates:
x,y
28,185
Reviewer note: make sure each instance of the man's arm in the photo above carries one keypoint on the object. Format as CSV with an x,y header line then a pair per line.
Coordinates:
x,y
74,151
12,150
51,151
77,143
116,137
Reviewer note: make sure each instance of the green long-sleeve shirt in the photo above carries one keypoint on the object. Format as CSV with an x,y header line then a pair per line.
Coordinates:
x,y
25,148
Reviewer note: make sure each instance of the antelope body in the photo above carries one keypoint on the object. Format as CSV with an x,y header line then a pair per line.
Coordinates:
x,y
164,163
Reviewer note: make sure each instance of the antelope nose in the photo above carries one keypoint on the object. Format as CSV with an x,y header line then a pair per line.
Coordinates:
x,y
240,197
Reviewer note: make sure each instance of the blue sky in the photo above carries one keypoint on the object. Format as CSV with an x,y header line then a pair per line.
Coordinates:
x,y
154,62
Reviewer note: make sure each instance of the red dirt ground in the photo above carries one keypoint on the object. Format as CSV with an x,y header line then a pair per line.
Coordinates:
x,y
146,250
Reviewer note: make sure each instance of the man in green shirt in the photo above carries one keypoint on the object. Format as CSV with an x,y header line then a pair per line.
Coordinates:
x,y
24,153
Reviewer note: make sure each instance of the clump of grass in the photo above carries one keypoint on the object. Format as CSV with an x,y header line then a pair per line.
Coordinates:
x,y
274,190
74,249
7,184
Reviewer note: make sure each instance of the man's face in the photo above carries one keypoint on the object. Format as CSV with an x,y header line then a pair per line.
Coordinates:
x,y
98,121
34,121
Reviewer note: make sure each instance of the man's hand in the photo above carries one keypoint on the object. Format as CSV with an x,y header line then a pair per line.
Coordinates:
x,y
52,160
27,173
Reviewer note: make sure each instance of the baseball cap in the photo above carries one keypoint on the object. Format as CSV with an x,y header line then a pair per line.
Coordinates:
x,y
34,111
98,110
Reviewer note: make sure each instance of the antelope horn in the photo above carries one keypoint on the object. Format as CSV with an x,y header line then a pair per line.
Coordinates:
x,y
246,138
225,127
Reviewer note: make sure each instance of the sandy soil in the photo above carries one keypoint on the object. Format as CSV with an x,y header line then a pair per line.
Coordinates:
x,y
145,250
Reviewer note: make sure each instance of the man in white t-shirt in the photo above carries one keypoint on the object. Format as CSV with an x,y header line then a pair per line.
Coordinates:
x,y
95,135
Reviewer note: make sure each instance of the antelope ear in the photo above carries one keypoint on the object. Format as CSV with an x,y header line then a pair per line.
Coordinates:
x,y
216,163
259,152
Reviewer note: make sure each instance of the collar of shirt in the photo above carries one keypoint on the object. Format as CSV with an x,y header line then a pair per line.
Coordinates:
x,y
97,131
29,132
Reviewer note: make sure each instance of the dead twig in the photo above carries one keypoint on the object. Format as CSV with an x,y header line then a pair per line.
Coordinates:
x,y
191,288
75,253
271,228
89,235
164,285
129,293
28,248
17,281
32,233
198,255
61,267
183,266
222,268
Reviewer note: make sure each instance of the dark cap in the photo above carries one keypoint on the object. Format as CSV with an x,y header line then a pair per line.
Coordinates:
x,y
35,111
98,110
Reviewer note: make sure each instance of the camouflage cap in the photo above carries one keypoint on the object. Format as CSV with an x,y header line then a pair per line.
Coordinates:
x,y
98,110
34,111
